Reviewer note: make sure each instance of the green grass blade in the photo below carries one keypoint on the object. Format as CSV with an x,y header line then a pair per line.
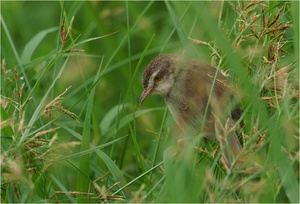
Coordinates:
x,y
137,67
33,43
84,166
15,51
126,120
137,178
138,153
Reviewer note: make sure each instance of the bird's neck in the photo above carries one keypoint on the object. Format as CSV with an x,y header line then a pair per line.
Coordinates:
x,y
175,96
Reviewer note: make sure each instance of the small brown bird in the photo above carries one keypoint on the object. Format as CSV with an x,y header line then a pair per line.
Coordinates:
x,y
186,87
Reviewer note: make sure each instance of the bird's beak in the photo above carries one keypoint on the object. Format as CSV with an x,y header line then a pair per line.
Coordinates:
x,y
145,93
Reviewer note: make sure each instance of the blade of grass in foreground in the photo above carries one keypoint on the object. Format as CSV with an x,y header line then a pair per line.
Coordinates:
x,y
182,34
33,43
124,121
287,177
113,168
84,166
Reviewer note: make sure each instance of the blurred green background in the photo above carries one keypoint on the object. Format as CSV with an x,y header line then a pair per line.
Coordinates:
x,y
106,82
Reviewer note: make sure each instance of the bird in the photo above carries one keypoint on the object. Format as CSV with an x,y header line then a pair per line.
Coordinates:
x,y
199,98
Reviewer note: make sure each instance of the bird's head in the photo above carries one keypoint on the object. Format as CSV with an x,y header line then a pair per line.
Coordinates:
x,y
159,76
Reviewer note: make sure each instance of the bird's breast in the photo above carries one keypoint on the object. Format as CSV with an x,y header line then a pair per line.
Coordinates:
x,y
187,107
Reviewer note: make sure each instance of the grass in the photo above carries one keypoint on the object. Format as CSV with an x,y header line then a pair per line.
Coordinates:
x,y
71,127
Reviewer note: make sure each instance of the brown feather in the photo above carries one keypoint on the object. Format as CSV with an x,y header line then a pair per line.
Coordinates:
x,y
188,96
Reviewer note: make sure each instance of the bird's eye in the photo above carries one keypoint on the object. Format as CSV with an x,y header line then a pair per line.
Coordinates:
x,y
156,78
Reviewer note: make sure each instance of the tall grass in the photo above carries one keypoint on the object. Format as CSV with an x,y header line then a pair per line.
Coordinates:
x,y
71,128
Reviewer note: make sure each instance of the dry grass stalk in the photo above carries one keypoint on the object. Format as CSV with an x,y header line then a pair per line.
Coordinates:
x,y
55,104
21,125
64,36
111,187
200,41
3,103
5,123
20,93
273,30
68,192
16,190
62,31
275,78
16,76
253,3
3,68
102,177
269,24
102,192
45,132
69,29
52,140
51,153
137,198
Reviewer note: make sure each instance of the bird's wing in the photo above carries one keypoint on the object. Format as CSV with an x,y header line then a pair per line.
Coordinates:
x,y
199,84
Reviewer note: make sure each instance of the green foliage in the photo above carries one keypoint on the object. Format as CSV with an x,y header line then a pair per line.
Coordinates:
x,y
71,127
